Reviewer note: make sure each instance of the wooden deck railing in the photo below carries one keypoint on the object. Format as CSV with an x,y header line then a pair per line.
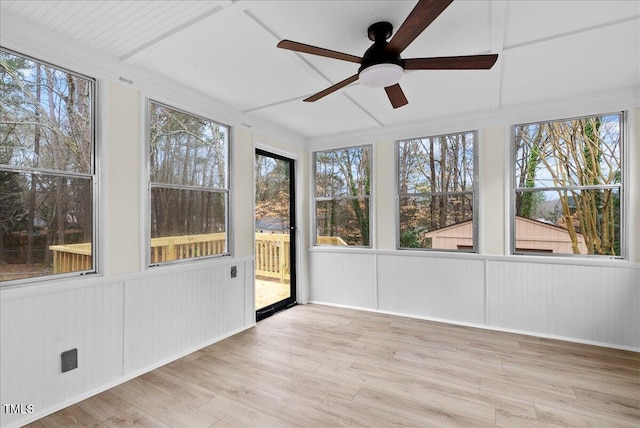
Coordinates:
x,y
77,257
71,257
185,247
330,240
272,252
272,255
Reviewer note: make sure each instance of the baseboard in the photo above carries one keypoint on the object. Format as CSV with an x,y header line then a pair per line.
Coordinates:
x,y
34,417
488,327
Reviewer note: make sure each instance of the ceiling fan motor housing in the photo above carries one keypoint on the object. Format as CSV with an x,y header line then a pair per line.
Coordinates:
x,y
377,53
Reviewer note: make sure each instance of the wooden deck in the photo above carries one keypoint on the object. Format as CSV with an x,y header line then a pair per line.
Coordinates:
x,y
268,292
319,366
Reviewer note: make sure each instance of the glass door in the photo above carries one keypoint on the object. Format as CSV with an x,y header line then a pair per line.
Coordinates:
x,y
275,247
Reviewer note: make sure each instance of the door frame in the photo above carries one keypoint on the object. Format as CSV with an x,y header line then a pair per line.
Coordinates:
x,y
271,309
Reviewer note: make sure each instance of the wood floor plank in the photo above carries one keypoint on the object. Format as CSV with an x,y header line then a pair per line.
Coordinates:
x,y
104,405
263,380
422,410
322,366
240,415
568,418
273,404
73,416
360,414
173,385
290,373
390,381
134,418
161,406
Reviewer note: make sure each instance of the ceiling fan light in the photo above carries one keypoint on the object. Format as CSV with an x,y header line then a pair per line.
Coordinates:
x,y
381,75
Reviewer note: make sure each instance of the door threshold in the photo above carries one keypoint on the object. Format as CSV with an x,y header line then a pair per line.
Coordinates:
x,y
267,312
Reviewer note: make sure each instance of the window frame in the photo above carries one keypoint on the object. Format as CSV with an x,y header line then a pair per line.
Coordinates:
x,y
474,194
226,192
92,176
368,197
514,190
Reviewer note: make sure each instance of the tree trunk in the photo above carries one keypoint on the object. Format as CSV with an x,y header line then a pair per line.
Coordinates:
x,y
31,204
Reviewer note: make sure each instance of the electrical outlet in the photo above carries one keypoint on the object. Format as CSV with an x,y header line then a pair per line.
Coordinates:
x,y
69,360
234,271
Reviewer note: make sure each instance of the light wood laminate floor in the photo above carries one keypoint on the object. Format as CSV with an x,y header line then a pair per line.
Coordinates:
x,y
320,366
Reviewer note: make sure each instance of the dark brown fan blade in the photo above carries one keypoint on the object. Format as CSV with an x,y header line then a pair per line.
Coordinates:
x,y
423,14
313,50
396,96
331,89
469,62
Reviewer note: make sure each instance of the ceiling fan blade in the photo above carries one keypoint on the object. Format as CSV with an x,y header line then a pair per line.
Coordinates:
x,y
423,14
331,89
396,96
313,50
468,62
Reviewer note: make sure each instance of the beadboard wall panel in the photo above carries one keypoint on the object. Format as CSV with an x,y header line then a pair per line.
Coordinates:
x,y
169,314
596,302
347,279
434,287
591,303
36,330
121,328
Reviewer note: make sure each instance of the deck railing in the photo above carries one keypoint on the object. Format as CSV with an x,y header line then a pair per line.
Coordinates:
x,y
272,252
185,247
71,257
272,255
77,257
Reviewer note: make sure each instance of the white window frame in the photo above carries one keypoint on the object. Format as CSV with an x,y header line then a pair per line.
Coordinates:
x,y
368,197
92,176
226,191
621,186
474,192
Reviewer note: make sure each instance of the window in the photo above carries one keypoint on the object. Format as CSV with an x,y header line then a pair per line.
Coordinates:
x,y
436,192
342,196
47,170
189,185
568,186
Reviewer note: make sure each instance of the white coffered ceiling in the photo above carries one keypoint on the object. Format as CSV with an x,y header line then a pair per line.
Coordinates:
x,y
227,50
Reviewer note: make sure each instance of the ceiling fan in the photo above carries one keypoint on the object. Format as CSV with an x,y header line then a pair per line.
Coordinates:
x,y
382,66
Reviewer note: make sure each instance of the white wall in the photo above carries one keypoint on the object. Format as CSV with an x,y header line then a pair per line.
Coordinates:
x,y
586,302
579,299
129,319
122,326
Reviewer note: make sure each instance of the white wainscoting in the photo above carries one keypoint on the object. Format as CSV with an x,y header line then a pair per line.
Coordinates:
x,y
588,303
343,280
121,327
580,300
442,288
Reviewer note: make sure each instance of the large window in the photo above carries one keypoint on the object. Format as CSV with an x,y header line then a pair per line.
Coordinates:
x,y
189,185
342,196
47,171
436,192
568,186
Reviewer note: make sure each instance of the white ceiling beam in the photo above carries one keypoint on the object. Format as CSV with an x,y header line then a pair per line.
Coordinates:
x,y
498,25
173,31
276,39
